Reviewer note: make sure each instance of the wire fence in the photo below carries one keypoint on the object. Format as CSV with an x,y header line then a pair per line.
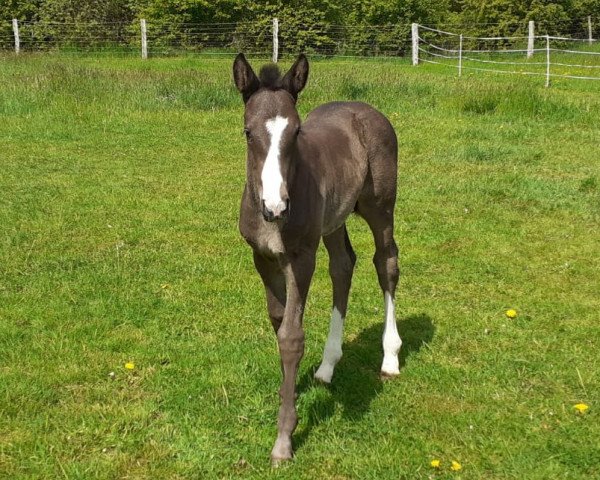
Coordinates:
x,y
552,49
254,38
538,55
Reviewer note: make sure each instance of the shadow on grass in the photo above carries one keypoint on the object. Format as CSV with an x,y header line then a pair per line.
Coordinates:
x,y
356,381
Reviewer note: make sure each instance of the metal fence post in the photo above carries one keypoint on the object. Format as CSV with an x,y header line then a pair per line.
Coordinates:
x,y
275,40
531,39
144,39
415,43
15,24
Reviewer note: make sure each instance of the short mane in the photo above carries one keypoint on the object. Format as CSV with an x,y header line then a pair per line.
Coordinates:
x,y
270,77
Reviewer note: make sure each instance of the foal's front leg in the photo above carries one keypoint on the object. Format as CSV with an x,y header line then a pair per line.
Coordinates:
x,y
274,282
298,271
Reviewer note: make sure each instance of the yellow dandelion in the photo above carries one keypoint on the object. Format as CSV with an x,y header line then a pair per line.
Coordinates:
x,y
435,463
511,313
581,407
455,466
130,365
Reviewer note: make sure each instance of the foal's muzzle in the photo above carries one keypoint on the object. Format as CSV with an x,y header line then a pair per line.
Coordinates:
x,y
281,212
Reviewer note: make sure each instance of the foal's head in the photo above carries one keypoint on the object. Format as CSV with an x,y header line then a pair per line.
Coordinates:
x,y
272,126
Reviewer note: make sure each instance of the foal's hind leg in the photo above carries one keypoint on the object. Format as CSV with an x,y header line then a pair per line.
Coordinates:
x,y
341,265
381,222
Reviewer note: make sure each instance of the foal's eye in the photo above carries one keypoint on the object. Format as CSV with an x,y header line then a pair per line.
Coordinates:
x,y
297,132
248,134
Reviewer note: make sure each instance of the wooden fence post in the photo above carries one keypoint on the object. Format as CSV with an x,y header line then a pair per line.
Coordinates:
x,y
531,39
275,40
15,24
460,47
590,36
144,39
547,61
415,43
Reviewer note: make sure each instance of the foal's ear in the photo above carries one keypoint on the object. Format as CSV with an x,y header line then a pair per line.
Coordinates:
x,y
245,79
295,80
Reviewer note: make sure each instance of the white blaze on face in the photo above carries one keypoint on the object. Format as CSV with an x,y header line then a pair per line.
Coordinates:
x,y
271,174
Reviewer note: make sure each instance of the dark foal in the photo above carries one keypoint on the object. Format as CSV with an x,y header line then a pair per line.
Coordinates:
x,y
302,182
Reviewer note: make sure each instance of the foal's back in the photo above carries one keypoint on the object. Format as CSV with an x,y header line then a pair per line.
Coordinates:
x,y
352,149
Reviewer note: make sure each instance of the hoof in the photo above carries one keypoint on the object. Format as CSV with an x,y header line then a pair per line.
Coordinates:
x,y
385,375
279,462
281,453
324,374
390,367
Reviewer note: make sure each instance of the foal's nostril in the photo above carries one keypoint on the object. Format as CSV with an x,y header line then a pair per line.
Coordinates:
x,y
286,209
267,214
281,211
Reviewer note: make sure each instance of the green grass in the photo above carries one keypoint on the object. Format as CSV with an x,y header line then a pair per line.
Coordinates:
x,y
120,185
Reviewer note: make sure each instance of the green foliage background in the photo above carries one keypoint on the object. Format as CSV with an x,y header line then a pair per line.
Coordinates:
x,y
311,22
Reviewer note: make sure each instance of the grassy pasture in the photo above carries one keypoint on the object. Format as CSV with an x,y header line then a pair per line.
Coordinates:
x,y
120,183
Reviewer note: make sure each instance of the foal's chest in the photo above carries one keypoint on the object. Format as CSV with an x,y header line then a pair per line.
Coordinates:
x,y
269,242
264,238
